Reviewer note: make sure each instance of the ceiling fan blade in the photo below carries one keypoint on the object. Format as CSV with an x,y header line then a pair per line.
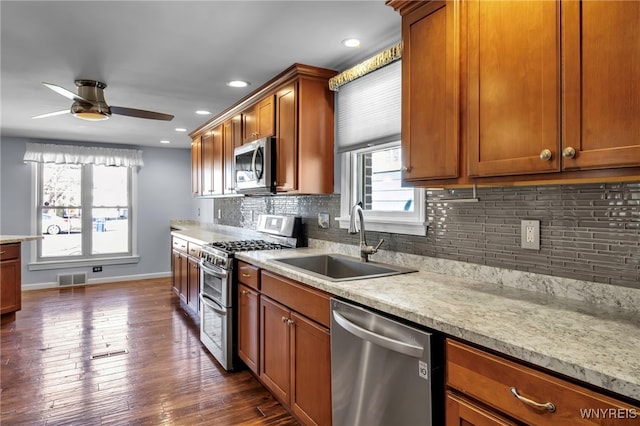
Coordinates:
x,y
51,114
140,113
66,93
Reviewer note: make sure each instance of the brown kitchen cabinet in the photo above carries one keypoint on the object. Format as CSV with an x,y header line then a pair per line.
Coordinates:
x,y
430,92
232,138
296,107
185,272
461,411
497,106
249,315
259,120
476,378
10,280
196,166
212,159
601,98
295,347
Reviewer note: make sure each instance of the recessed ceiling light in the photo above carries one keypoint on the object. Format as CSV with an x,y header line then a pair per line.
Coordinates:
x,y
351,42
203,112
180,129
238,83
165,141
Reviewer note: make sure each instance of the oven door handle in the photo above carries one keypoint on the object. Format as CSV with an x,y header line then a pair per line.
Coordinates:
x,y
217,272
210,303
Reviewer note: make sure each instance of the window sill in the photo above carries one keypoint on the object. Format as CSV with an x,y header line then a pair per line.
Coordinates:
x,y
391,226
75,263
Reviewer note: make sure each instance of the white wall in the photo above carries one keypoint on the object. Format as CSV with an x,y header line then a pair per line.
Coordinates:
x,y
164,193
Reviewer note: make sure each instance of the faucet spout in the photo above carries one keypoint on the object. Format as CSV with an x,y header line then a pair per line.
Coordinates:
x,y
365,249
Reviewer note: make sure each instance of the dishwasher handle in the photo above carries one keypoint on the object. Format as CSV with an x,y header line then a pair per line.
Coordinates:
x,y
386,342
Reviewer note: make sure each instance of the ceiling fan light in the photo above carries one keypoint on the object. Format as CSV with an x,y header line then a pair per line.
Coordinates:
x,y
90,112
91,116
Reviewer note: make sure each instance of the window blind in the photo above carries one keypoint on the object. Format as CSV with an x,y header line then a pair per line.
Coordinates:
x,y
76,154
368,109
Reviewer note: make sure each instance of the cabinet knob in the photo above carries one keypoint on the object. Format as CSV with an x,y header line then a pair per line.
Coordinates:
x,y
406,168
245,292
284,319
290,322
546,155
568,152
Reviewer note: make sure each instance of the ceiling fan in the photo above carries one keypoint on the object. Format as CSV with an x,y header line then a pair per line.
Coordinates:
x,y
89,103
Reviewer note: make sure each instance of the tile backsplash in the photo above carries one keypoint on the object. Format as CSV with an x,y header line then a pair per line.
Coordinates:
x,y
588,232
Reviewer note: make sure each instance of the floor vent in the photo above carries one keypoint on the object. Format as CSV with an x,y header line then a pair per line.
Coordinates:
x,y
72,279
108,354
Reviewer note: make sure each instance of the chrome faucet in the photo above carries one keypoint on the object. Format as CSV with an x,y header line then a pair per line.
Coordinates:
x,y
365,250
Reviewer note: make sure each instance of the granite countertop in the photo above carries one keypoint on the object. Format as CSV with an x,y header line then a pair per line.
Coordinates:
x,y
597,343
6,239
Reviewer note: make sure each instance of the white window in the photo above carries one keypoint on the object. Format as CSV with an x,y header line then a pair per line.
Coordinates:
x,y
84,213
368,146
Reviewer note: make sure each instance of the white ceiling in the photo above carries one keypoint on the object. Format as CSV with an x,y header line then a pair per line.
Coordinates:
x,y
168,56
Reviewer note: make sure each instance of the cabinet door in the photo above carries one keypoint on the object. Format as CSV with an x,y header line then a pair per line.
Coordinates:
x,y
430,100
311,371
513,87
207,163
265,116
462,412
249,125
10,285
184,277
275,347
286,139
232,137
193,284
248,326
218,160
176,279
196,166
601,77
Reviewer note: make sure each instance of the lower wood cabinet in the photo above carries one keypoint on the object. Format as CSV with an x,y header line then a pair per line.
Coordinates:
x,y
10,279
510,390
185,272
463,412
295,346
249,326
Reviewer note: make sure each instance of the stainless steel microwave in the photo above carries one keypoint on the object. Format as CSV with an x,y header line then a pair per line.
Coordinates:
x,y
255,167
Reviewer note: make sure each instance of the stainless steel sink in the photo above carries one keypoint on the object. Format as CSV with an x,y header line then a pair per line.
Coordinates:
x,y
336,267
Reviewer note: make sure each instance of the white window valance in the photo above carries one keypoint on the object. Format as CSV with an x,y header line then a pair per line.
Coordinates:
x,y
76,154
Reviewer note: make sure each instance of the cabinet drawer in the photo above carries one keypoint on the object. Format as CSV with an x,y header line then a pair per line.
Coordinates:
x,y
179,244
10,251
490,379
194,249
307,301
249,275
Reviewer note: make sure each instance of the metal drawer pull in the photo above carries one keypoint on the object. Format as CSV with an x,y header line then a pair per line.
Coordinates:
x,y
246,275
549,406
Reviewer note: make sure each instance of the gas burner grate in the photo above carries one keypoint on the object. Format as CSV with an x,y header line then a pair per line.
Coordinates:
x,y
246,245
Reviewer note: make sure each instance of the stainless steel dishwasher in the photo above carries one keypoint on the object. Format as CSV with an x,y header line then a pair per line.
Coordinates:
x,y
383,372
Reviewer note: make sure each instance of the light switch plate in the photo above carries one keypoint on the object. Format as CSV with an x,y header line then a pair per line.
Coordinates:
x,y
530,234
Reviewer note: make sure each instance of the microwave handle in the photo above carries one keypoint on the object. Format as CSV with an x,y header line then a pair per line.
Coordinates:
x,y
253,161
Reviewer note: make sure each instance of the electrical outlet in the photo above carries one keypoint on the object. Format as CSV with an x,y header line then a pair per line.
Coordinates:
x,y
530,234
97,269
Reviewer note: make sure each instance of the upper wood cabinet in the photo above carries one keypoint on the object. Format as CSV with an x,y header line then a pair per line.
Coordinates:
x,y
513,87
430,104
212,159
259,120
296,107
601,78
520,92
196,166
232,138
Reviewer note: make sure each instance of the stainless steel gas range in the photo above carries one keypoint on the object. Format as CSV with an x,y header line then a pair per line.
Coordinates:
x,y
218,298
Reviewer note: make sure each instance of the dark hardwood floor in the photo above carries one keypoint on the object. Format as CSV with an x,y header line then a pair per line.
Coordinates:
x,y
121,354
